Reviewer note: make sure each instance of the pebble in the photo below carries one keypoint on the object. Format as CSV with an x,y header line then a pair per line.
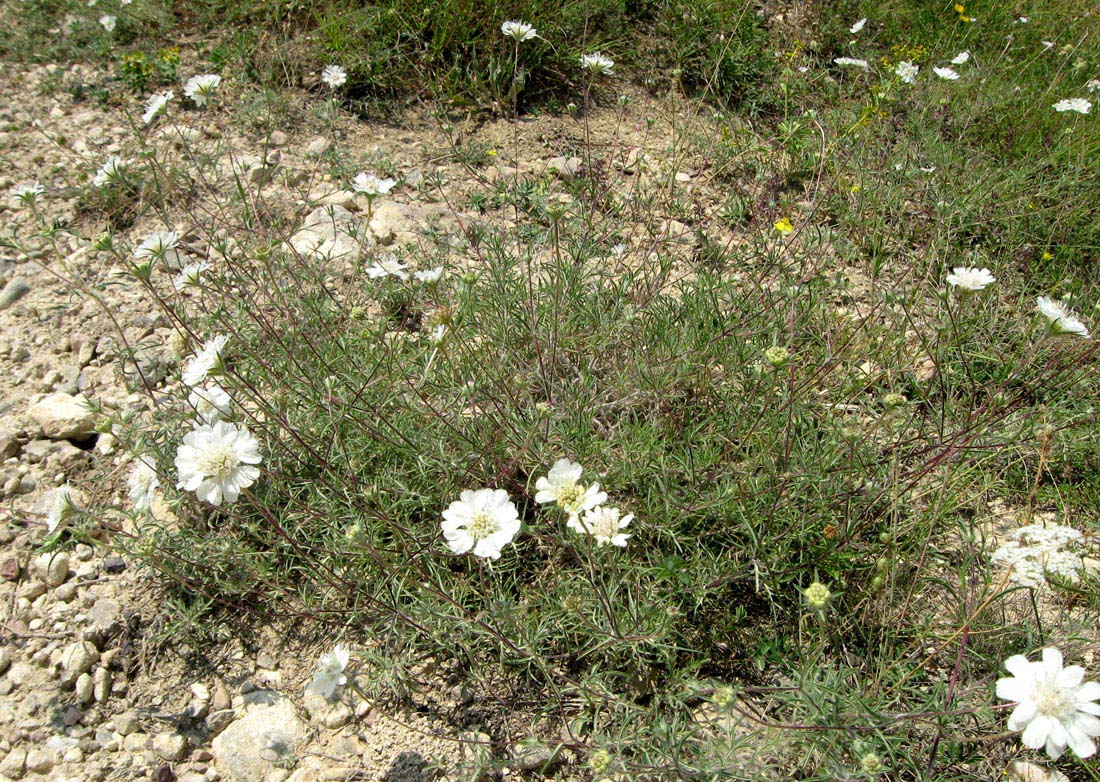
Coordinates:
x,y
170,746
16,289
85,689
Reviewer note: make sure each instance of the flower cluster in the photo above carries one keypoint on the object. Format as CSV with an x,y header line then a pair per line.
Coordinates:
x,y
583,505
1035,551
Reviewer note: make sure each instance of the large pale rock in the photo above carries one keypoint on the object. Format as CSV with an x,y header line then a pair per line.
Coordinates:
x,y
268,735
330,233
63,417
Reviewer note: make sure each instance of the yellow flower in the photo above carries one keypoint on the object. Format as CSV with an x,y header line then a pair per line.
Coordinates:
x,y
784,226
959,8
1047,256
491,153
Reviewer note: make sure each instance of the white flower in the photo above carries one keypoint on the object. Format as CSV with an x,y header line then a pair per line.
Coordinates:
x,y
483,521
907,72
560,485
108,22
946,73
190,275
217,461
62,508
520,31
603,523
437,334
1092,85
855,28
599,64
1060,318
210,402
200,88
852,61
1048,45
109,173
1080,105
161,246
27,194
330,672
1022,20
143,482
334,76
962,58
970,279
387,266
156,105
205,361
1055,709
429,276
370,185
1035,551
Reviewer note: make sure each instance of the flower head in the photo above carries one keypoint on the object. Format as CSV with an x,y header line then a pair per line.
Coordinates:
x,y
429,276
969,280
946,73
518,31
598,64
1055,709
481,521
62,509
143,483
109,173
334,76
907,72
210,402
205,361
217,462
561,486
605,524
330,672
387,266
783,225
1036,551
26,195
190,275
855,28
853,62
961,58
370,185
200,88
161,246
156,104
108,22
1060,318
817,596
1080,105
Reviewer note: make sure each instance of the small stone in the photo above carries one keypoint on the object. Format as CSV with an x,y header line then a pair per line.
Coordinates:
x,y
278,775
278,139
54,568
72,716
66,593
127,723
114,564
76,659
42,761
135,742
530,755
217,721
16,289
170,746
565,167
7,686
102,679
9,445
5,659
10,569
15,764
317,147
104,620
337,716
85,689
32,589
63,417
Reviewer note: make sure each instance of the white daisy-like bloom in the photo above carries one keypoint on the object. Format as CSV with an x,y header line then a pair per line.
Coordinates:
x,y
334,76
27,194
108,22
161,246
481,522
605,524
1035,551
190,275
156,104
599,64
1048,45
387,266
561,485
330,672
109,173
200,88
970,280
429,276
370,185
217,462
63,507
1060,318
1079,105
438,334
210,403
855,28
1055,707
962,58
1022,20
205,361
518,31
907,72
852,61
143,483
948,74
1093,85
